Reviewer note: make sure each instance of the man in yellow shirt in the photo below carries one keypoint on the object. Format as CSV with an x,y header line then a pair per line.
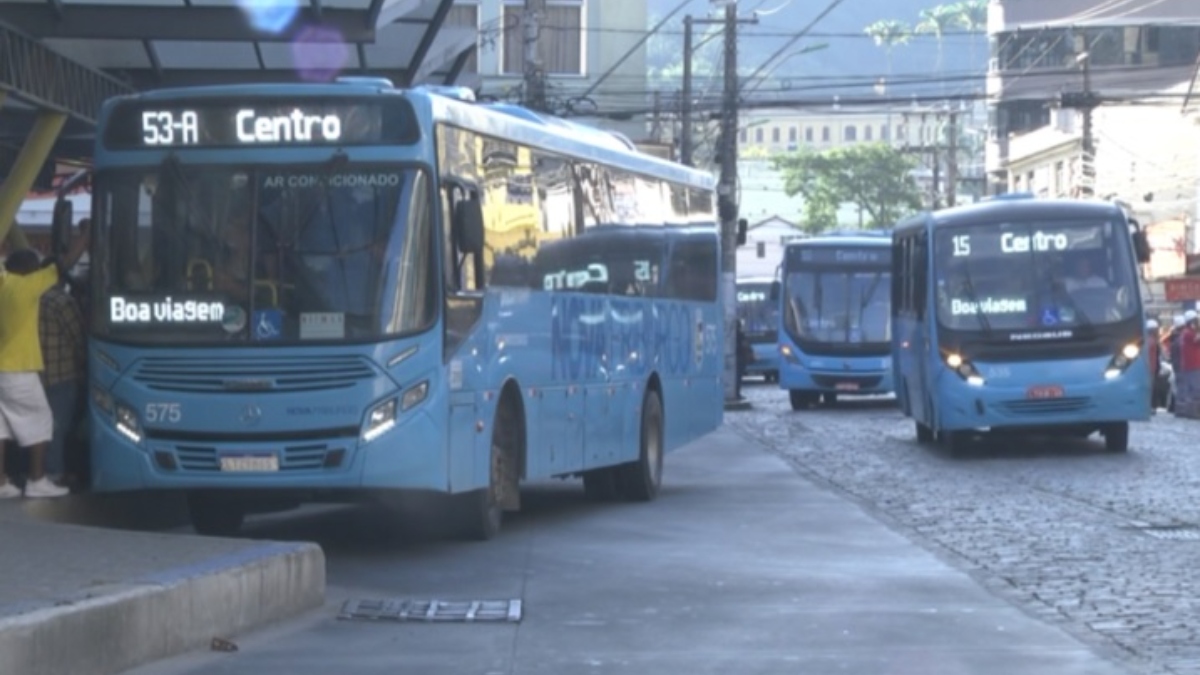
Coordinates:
x,y
24,411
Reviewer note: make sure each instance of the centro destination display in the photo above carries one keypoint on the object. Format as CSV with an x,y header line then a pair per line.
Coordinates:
x,y
258,123
829,255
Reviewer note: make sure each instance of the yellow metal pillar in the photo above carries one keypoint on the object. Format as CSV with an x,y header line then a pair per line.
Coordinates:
x,y
25,170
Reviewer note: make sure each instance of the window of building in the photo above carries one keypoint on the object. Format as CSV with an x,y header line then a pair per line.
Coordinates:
x,y
466,15
743,136
792,132
868,132
826,135
850,133
760,249
808,135
883,133
758,135
561,44
775,135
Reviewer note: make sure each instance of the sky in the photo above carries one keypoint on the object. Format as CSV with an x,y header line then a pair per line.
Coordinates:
x,y
843,60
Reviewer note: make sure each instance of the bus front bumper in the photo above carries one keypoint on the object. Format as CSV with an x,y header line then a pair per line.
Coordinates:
x,y
850,380
999,407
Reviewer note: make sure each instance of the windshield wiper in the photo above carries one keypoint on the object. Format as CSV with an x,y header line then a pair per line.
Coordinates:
x,y
984,324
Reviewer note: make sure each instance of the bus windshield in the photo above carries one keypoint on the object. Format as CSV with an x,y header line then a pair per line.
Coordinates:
x,y
840,299
216,254
757,311
1055,275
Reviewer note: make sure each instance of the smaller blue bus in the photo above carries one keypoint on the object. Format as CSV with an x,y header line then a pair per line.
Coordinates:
x,y
760,321
835,322
1020,315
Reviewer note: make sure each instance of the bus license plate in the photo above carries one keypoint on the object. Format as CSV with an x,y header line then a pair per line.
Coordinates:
x,y
244,463
1044,391
847,386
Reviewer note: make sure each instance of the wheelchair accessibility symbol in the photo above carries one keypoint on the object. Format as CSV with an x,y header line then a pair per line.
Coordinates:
x,y
268,324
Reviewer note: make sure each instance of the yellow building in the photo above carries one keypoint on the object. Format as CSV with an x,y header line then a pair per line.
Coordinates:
x,y
767,132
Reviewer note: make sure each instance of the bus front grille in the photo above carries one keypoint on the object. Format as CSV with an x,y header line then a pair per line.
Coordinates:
x,y
297,458
252,374
1045,406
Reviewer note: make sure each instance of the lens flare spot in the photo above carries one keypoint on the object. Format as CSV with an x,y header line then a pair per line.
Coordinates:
x,y
319,54
270,16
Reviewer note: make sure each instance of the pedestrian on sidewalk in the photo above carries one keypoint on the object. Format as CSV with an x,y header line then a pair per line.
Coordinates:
x,y
1189,347
25,414
64,356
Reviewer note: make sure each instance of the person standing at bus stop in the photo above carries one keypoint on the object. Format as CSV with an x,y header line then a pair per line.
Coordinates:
x,y
1187,381
25,414
64,360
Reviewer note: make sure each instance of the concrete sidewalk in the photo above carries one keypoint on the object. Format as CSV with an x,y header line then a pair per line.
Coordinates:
x,y
78,600
742,566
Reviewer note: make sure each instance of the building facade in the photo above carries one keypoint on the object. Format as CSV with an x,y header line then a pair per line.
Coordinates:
x,y
1040,50
578,41
763,251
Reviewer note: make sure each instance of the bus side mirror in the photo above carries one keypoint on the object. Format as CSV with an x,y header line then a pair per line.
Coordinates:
x,y
60,226
742,226
468,226
774,291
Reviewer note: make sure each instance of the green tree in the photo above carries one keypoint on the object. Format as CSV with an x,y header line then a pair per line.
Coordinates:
x,y
889,34
875,177
937,21
971,16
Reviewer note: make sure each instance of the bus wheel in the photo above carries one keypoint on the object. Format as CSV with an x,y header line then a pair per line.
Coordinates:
x,y
955,442
1116,437
214,517
481,512
924,433
800,399
639,481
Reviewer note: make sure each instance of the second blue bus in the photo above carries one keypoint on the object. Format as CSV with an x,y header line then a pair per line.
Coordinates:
x,y
1020,315
760,322
835,324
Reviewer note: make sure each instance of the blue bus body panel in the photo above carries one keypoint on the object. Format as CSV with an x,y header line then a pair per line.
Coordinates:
x,y
766,359
824,374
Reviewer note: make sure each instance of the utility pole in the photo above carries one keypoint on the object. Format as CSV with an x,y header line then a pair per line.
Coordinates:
x,y
952,158
685,103
535,76
727,205
1089,140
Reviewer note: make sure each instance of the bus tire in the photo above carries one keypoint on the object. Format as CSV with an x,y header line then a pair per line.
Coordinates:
x,y
924,433
955,442
214,517
480,513
1116,437
801,400
640,480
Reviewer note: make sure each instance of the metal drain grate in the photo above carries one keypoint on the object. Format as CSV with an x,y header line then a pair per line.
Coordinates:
x,y
1174,532
447,611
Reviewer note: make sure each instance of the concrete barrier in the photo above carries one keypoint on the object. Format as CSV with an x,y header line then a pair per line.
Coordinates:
x,y
119,627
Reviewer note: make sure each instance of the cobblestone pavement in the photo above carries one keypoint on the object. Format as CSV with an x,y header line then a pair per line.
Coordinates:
x,y
1108,546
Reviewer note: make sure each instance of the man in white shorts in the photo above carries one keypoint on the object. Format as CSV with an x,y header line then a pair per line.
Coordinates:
x,y
24,411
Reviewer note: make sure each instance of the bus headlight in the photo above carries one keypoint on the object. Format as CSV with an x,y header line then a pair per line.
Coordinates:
x,y
964,369
1121,361
127,423
414,395
789,354
381,418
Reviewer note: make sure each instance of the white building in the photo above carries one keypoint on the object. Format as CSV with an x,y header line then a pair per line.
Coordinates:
x,y
763,250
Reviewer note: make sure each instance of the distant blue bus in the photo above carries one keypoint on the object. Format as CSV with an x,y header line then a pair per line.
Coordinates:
x,y
341,291
1020,315
759,315
835,323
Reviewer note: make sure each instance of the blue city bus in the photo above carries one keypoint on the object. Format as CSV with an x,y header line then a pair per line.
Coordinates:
x,y
345,291
1020,315
835,325
760,320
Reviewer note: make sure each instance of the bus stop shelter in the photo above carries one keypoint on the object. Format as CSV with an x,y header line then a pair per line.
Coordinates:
x,y
60,59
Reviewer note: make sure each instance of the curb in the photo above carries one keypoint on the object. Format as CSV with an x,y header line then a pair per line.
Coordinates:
x,y
166,614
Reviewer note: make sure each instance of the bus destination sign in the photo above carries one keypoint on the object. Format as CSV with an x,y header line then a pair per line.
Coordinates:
x,y
842,255
203,123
